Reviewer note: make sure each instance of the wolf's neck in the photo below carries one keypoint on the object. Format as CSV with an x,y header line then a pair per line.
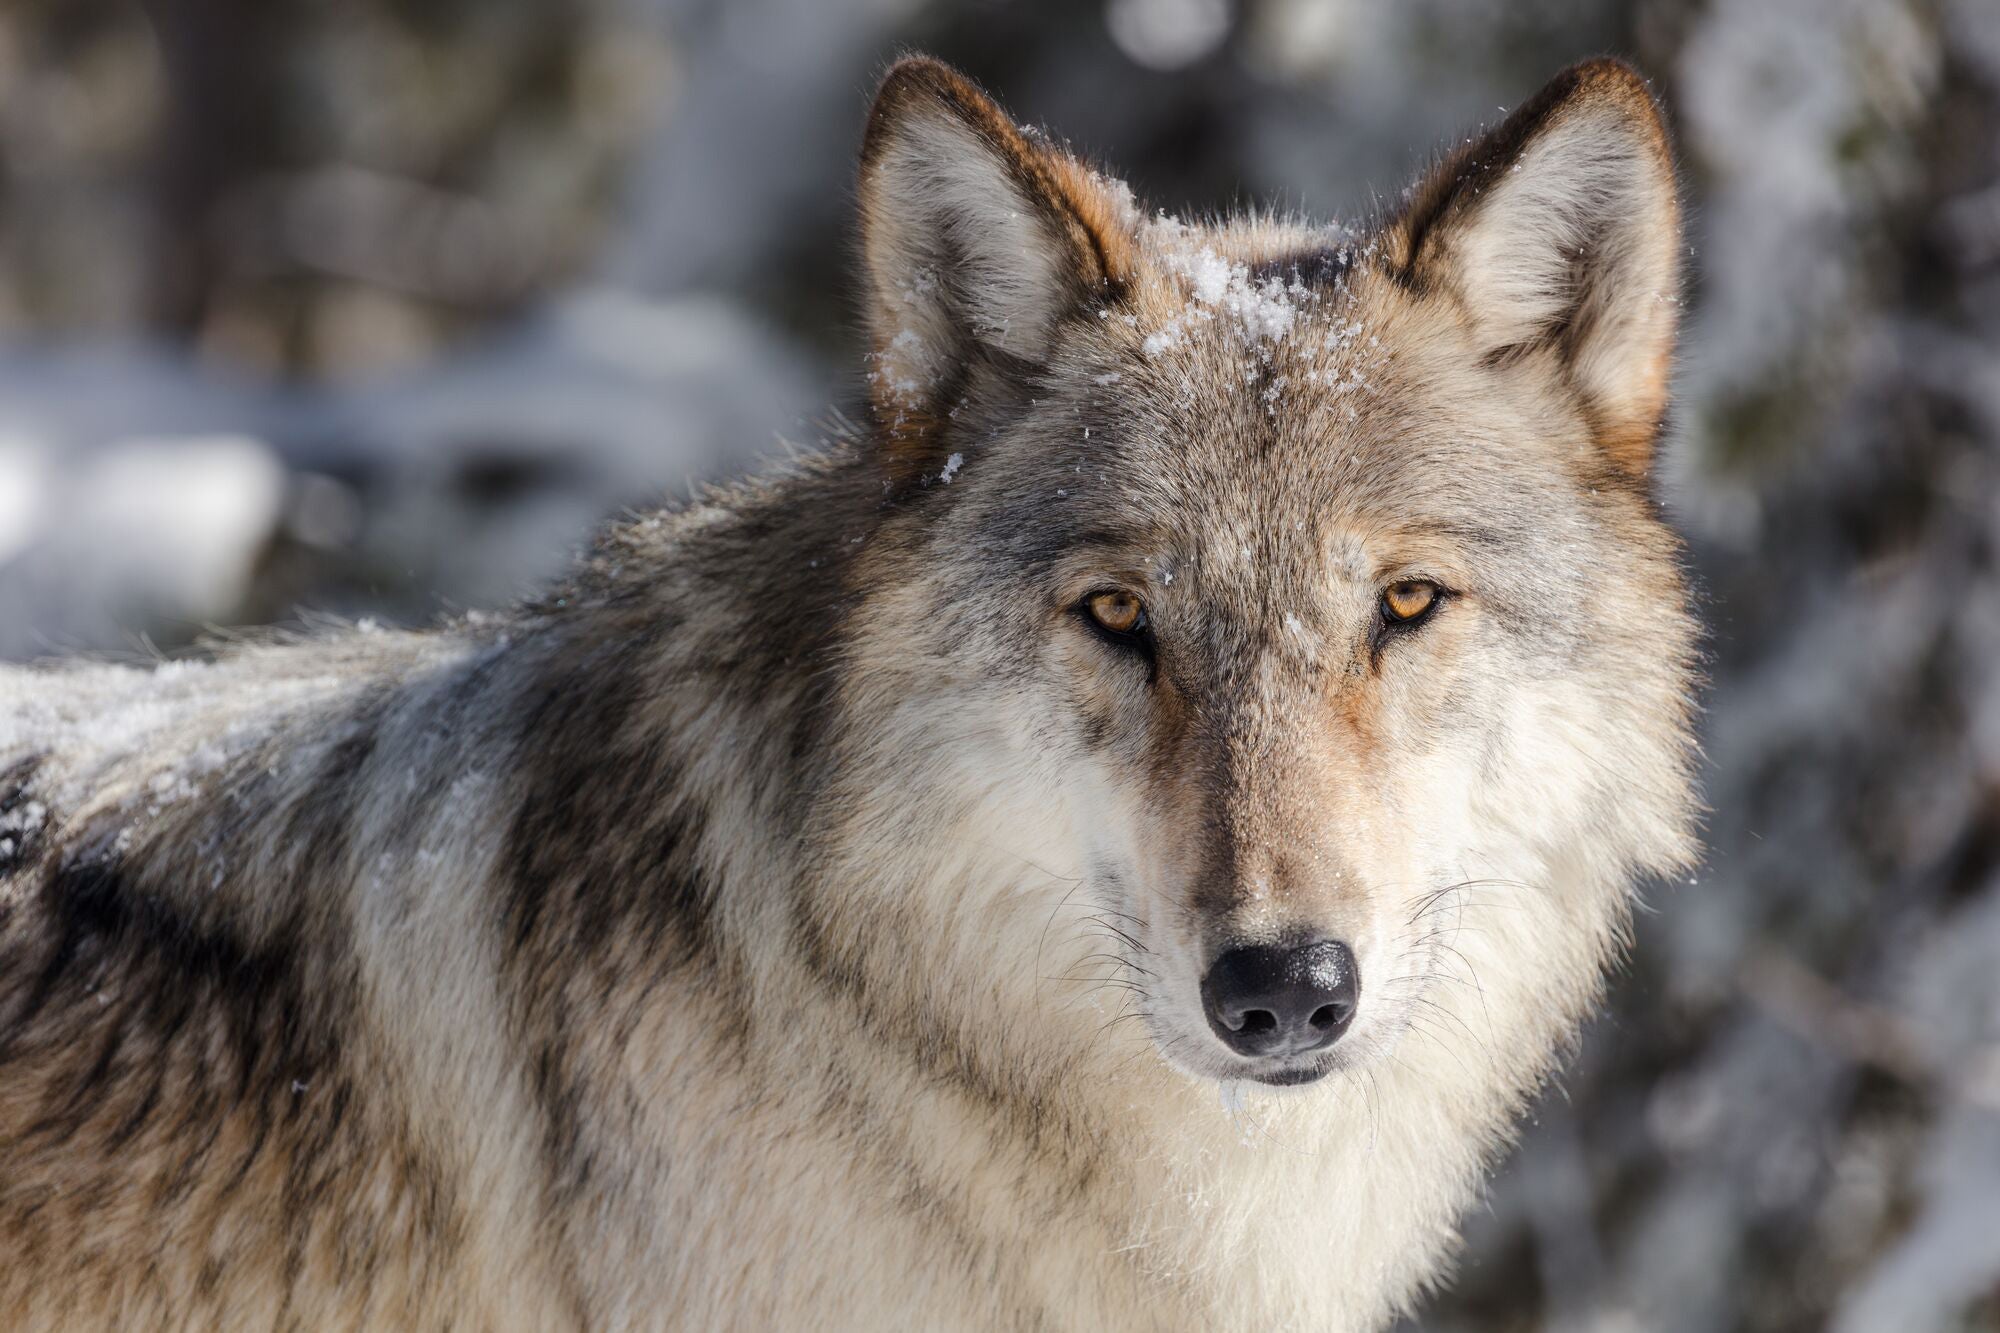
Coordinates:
x,y
1351,1186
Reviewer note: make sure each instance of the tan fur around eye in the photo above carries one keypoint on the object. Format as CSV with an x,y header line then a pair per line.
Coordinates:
x,y
1118,612
1407,601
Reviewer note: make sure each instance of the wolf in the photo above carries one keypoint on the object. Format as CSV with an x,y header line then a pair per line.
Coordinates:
x,y
1113,842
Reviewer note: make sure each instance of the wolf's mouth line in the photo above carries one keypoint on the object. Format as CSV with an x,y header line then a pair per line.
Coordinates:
x,y
1292,1078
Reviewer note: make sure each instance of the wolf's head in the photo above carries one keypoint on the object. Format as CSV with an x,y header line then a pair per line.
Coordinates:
x,y
1289,598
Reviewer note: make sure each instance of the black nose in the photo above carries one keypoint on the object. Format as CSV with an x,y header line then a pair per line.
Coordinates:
x,y
1275,999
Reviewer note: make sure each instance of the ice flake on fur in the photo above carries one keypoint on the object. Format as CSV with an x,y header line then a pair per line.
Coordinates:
x,y
1263,312
896,368
27,818
1123,203
1232,1106
1210,273
183,780
922,283
951,467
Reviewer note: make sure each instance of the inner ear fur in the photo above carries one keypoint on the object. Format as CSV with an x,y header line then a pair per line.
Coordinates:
x,y
978,241
1560,229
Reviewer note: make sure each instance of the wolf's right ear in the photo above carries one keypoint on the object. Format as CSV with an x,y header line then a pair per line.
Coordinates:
x,y
978,240
1560,232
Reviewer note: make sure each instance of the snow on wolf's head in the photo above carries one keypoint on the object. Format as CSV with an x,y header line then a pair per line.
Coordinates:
x,y
1268,621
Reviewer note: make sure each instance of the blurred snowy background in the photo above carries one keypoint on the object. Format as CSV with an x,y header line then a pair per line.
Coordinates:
x,y
371,308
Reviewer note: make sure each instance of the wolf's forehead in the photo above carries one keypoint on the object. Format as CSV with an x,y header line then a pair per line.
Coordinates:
x,y
1243,289
1258,410
1258,389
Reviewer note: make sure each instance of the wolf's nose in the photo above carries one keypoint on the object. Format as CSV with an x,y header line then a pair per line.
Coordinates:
x,y
1269,999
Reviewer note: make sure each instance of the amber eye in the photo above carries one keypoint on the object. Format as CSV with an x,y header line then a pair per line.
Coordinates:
x,y
1119,612
1406,601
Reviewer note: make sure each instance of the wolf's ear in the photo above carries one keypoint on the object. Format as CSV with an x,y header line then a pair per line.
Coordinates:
x,y
1560,230
978,240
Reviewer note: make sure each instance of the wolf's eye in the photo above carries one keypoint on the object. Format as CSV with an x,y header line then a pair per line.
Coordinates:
x,y
1118,612
1409,601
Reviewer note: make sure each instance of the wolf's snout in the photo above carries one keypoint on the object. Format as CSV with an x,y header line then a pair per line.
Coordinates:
x,y
1268,999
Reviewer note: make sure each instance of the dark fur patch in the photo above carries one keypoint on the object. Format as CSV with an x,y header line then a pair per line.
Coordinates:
x,y
319,828
1322,267
603,885
106,930
21,833
600,847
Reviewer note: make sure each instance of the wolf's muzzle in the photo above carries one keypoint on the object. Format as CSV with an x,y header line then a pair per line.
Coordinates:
x,y
1277,1000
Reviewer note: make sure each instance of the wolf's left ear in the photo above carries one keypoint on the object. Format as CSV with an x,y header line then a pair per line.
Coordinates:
x,y
978,240
1560,230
